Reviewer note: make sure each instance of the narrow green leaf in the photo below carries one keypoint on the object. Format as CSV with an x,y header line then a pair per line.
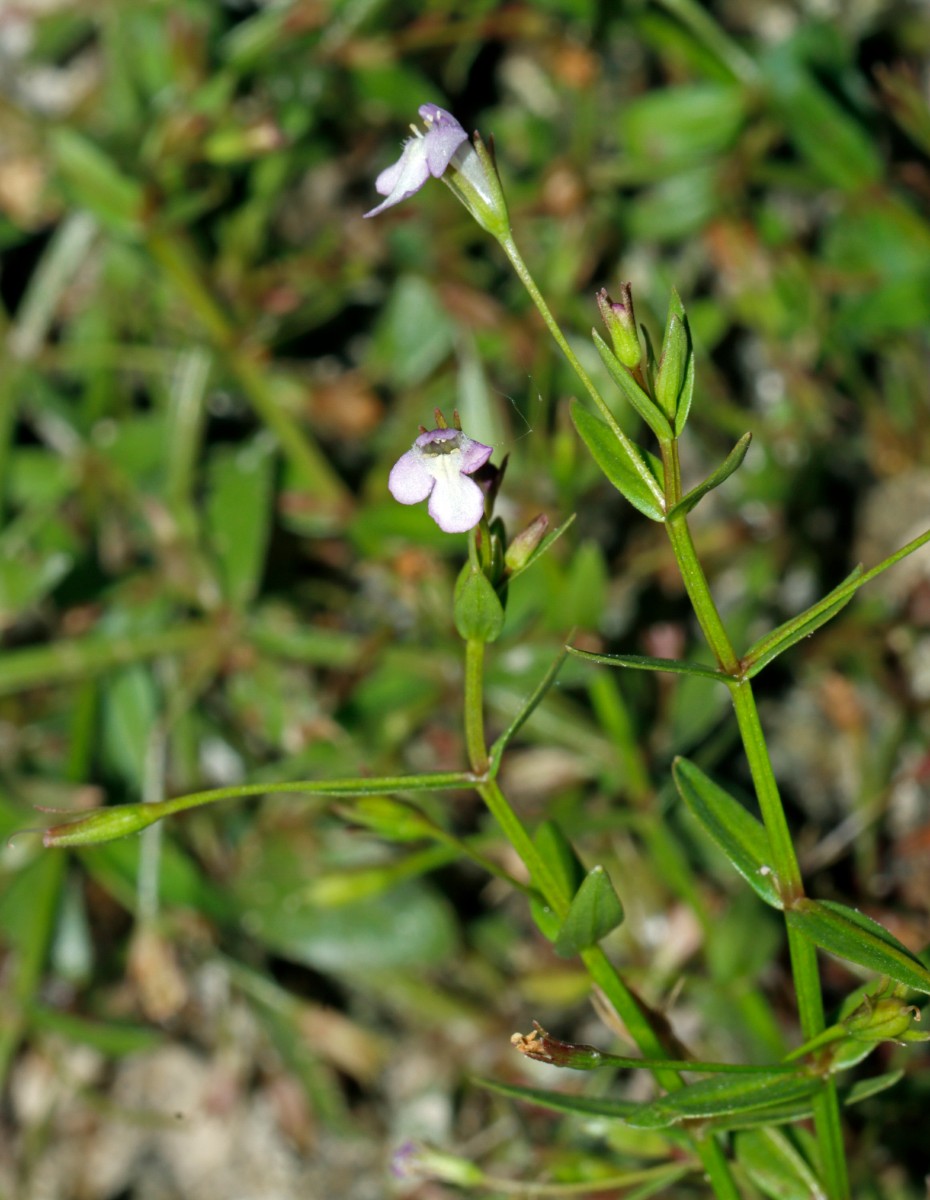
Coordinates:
x,y
650,413
95,182
686,395
731,463
643,662
852,935
672,365
591,1106
866,1088
724,1096
595,911
836,146
738,834
718,1100
675,380
238,515
803,625
479,614
113,1038
625,468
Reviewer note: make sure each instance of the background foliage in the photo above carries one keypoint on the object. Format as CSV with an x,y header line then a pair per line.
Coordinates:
x,y
212,362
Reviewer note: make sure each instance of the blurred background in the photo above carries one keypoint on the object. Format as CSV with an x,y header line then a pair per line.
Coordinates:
x,y
210,362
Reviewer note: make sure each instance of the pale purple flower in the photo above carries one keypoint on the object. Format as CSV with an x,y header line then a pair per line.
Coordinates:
x,y
438,465
424,155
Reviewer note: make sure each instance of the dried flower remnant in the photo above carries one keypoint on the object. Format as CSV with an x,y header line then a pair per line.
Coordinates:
x,y
438,466
543,1047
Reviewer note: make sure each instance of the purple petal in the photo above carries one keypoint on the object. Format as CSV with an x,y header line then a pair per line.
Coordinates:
x,y
456,506
405,177
409,482
474,455
443,137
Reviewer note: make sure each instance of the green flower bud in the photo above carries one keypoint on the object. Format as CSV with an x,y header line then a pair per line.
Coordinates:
x,y
103,825
523,546
885,1019
620,320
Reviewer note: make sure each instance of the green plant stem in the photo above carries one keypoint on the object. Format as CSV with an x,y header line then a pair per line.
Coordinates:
x,y
599,966
474,700
803,954
785,864
695,581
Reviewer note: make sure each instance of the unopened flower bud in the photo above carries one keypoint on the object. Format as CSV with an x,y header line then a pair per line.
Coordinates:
x,y
524,545
103,825
620,320
885,1019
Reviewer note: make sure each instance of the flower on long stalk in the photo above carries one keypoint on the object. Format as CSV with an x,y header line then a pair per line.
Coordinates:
x,y
438,466
445,144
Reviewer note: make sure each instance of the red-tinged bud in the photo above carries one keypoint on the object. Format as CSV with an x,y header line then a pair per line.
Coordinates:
x,y
525,544
620,319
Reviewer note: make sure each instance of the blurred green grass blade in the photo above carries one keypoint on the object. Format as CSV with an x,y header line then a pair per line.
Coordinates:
x,y
186,419
849,934
112,1038
64,255
775,1165
129,709
595,911
736,832
27,917
238,515
676,126
94,182
184,274
831,140
76,658
182,883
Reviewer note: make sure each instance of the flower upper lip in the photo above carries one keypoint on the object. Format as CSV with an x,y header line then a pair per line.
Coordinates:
x,y
438,466
422,156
